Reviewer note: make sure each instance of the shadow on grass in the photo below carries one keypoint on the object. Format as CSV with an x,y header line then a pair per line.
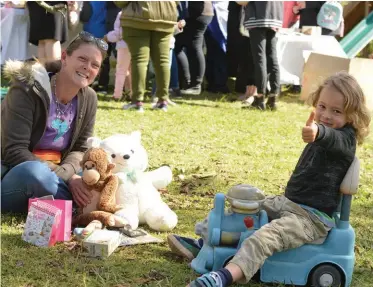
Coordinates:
x,y
108,108
104,98
13,219
11,241
194,104
285,96
214,97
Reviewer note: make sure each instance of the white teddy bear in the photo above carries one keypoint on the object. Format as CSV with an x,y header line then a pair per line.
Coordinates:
x,y
138,190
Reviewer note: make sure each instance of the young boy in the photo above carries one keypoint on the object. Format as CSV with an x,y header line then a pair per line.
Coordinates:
x,y
304,213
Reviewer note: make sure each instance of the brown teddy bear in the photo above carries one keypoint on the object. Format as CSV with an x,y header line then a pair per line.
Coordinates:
x,y
98,178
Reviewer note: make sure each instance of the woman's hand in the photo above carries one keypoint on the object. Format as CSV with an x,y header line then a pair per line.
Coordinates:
x,y
81,195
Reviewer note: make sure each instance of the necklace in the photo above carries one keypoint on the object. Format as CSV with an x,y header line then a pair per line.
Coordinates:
x,y
59,124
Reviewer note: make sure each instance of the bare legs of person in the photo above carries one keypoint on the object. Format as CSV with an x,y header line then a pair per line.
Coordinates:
x,y
248,98
49,50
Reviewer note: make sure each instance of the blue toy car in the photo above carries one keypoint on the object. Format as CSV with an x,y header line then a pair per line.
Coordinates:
x,y
328,264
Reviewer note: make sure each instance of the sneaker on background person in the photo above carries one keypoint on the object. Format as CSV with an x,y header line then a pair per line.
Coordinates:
x,y
138,106
161,105
193,91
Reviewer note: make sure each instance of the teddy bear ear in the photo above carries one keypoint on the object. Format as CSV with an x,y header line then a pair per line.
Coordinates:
x,y
93,142
136,135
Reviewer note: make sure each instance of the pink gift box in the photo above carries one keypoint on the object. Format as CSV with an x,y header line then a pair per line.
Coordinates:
x,y
64,230
42,224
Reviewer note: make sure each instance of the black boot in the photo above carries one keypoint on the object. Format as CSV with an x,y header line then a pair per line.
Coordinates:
x,y
258,103
271,103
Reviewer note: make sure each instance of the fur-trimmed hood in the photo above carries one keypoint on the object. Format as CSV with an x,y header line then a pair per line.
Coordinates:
x,y
25,111
31,73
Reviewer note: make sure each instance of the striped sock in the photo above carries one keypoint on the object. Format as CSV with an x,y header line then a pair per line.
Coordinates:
x,y
220,278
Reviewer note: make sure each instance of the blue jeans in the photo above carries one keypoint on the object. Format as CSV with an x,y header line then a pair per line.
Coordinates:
x,y
27,180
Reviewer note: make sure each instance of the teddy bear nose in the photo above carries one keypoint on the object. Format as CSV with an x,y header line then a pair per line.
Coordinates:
x,y
126,156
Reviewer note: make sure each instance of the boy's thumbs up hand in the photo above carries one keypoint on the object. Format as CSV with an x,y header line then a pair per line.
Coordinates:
x,y
309,132
311,119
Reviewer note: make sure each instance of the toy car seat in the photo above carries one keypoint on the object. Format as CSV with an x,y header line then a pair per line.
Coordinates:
x,y
348,188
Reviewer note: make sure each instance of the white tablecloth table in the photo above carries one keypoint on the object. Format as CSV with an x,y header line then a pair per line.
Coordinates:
x,y
14,34
293,49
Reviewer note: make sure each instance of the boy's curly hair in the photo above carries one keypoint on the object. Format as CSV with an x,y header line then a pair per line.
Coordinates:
x,y
355,107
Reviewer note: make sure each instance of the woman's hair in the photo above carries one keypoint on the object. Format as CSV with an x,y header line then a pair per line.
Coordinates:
x,y
355,107
75,44
55,66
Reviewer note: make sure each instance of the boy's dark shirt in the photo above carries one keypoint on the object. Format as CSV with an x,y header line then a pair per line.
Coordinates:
x,y
321,168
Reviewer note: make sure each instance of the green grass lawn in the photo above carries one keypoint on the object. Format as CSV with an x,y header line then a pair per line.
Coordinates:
x,y
198,136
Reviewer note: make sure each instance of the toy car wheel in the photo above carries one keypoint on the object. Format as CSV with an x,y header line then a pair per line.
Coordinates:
x,y
326,276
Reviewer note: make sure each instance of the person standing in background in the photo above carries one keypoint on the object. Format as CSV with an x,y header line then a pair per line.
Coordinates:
x,y
95,23
233,36
198,15
263,19
239,57
123,57
289,17
216,45
307,11
174,89
103,81
48,30
147,29
14,31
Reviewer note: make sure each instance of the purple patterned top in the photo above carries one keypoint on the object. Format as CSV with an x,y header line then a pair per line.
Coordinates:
x,y
60,124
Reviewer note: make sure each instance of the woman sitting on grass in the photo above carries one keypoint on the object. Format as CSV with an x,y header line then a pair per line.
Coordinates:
x,y
304,213
46,118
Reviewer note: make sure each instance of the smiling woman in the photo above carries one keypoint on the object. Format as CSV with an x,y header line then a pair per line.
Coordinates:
x,y
46,118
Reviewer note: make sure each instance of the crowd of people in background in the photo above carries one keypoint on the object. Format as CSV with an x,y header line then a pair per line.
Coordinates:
x,y
190,46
